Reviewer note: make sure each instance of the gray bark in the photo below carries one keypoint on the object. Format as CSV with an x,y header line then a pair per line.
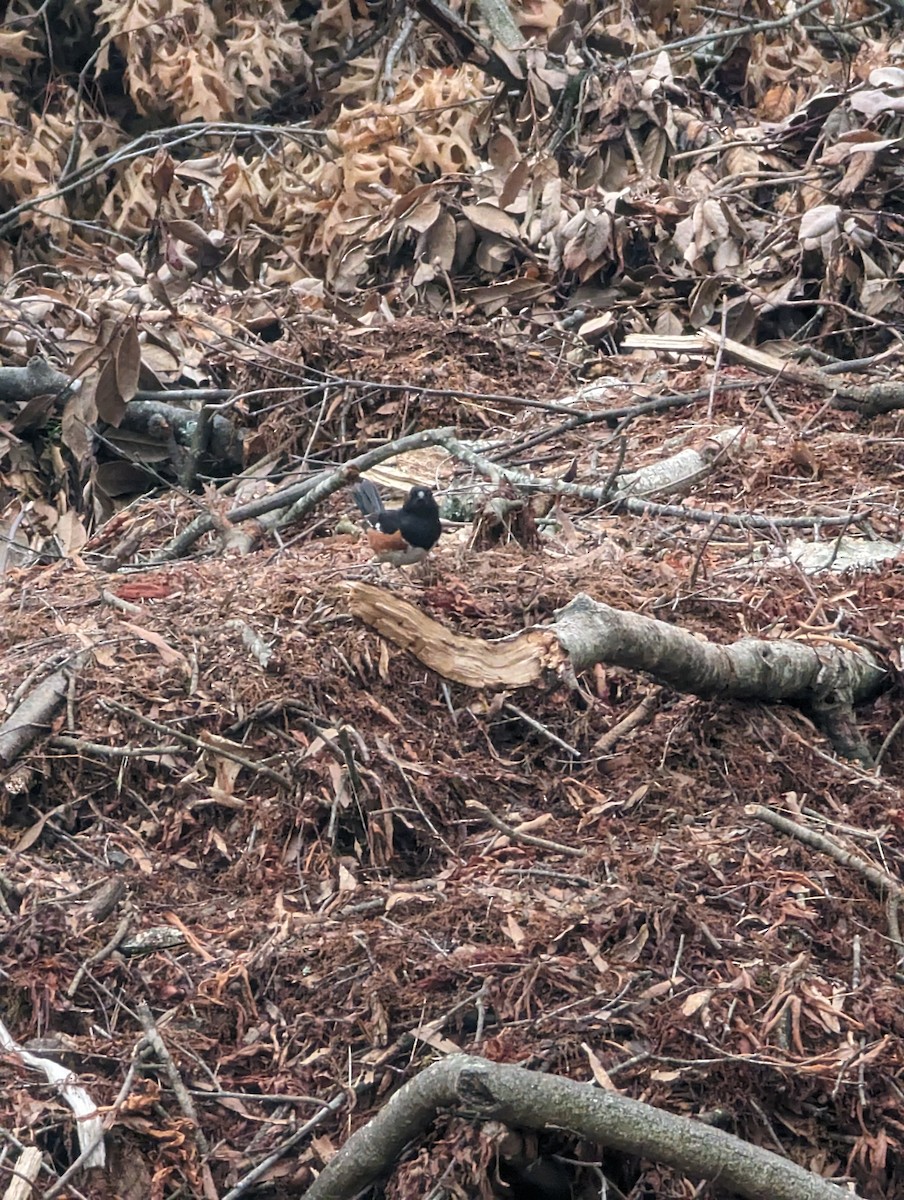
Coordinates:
x,y
826,680
749,669
527,1099
20,384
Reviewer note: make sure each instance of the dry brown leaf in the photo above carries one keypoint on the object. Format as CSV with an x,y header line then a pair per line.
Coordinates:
x,y
600,1074
12,46
493,220
128,365
77,423
168,654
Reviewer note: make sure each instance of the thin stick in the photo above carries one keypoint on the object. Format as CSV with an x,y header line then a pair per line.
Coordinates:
x,y
108,1122
210,747
323,484
540,728
284,1147
889,738
187,1105
105,951
877,877
700,39
528,839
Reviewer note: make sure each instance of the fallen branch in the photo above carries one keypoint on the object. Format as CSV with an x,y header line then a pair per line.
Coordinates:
x,y
300,498
25,1171
110,1118
18,385
156,1043
868,401
526,1099
826,680
32,717
517,835
679,472
88,1124
292,503
881,880
641,714
164,424
402,1045
521,661
635,505
215,746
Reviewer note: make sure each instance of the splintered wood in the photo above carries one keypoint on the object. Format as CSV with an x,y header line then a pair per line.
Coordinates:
x,y
521,661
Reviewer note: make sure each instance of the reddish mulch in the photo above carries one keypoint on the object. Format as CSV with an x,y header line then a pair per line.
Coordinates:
x,y
337,891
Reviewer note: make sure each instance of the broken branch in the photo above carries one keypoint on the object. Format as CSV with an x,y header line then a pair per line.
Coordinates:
x,y
497,1091
827,680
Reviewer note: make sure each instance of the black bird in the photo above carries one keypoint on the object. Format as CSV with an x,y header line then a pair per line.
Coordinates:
x,y
401,536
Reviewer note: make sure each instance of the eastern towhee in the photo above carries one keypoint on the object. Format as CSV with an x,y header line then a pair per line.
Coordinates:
x,y
401,536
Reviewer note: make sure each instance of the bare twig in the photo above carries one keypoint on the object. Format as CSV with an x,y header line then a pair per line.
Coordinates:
x,y
623,414
109,1121
541,729
147,144
98,750
98,957
258,1097
889,738
186,1104
880,879
300,498
215,748
640,714
528,839
719,35
283,1148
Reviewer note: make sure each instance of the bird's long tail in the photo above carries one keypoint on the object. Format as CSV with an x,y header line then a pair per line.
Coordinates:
x,y
367,497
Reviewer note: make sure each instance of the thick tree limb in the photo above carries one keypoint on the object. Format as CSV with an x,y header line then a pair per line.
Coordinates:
x,y
521,661
468,45
751,669
827,680
496,1091
588,632
38,378
164,424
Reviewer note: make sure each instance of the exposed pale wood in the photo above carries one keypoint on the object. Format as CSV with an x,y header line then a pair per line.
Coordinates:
x,y
682,343
520,661
26,1169
679,472
710,340
770,364
827,680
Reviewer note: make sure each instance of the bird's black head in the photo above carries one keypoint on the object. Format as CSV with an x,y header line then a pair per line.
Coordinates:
x,y
421,503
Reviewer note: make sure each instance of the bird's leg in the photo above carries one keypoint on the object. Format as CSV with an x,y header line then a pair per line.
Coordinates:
x,y
426,571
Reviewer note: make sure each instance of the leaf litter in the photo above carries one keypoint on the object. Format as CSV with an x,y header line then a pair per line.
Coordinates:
x,y
315,898
305,822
